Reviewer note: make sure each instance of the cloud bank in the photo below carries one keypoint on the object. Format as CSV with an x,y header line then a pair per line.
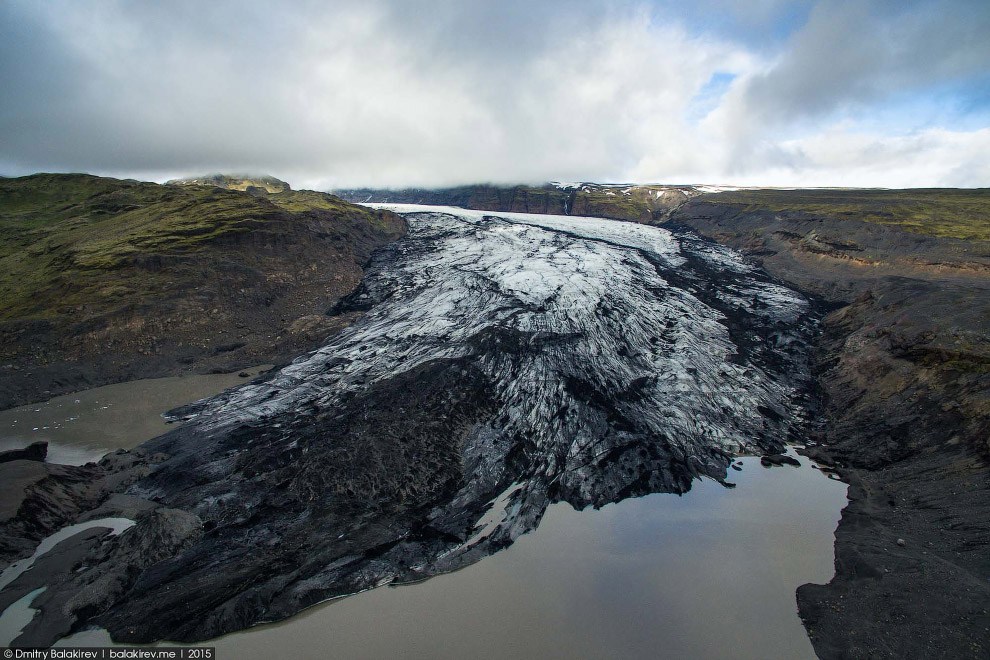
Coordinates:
x,y
391,93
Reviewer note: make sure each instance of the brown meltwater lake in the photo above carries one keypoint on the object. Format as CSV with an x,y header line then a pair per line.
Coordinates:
x,y
711,574
84,426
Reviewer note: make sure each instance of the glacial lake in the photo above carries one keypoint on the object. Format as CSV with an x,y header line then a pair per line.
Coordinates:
x,y
710,574
84,426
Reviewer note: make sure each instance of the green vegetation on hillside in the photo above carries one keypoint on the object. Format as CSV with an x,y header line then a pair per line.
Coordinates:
x,y
243,183
306,201
639,203
946,212
63,236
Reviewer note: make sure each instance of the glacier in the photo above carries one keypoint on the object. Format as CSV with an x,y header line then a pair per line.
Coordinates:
x,y
503,362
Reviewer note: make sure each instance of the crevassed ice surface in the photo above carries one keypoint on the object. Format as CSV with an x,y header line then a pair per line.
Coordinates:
x,y
462,272
505,362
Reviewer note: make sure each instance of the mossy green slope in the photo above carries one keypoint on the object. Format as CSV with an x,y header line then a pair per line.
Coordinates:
x,y
62,236
945,212
103,280
235,182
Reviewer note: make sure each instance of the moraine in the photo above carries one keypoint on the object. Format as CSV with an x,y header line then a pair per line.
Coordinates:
x,y
505,362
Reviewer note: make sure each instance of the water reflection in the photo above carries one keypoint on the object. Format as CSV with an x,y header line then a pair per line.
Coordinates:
x,y
710,574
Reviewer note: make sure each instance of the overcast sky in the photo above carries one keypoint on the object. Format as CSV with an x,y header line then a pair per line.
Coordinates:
x,y
400,92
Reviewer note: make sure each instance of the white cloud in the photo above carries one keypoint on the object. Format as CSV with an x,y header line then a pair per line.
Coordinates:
x,y
843,157
390,93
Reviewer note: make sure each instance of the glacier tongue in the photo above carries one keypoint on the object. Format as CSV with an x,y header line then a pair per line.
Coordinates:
x,y
505,361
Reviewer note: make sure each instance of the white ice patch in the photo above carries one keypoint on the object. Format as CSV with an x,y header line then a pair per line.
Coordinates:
x,y
12,572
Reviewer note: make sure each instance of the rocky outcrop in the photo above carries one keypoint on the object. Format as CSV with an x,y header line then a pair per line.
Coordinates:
x,y
771,460
36,451
40,498
93,581
258,184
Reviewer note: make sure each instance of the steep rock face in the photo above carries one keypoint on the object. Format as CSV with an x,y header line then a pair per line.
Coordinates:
x,y
905,370
503,363
833,257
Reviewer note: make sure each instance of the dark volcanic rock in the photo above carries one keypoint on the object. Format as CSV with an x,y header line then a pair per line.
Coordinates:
x,y
908,400
40,498
771,460
108,572
53,567
36,451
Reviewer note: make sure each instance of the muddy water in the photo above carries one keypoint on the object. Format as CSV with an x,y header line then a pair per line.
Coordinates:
x,y
711,574
84,426
708,575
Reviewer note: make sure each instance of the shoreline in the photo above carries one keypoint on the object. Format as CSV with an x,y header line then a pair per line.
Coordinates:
x,y
81,427
912,552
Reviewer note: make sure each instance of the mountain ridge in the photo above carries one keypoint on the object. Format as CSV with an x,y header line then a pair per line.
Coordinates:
x,y
944,212
242,182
